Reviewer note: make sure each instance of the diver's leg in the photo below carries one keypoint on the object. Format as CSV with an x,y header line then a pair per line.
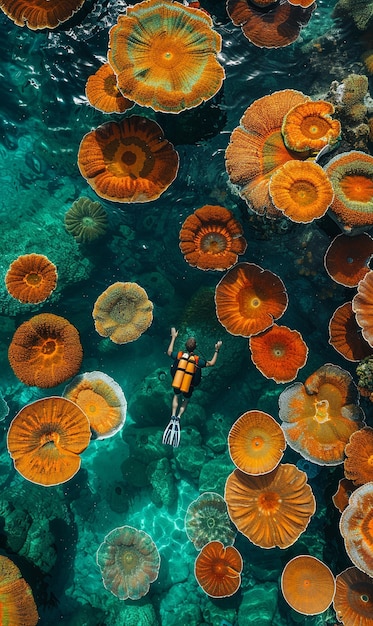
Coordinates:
x,y
175,404
183,406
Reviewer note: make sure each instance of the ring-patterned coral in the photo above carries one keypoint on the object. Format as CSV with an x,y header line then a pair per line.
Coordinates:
x,y
362,305
320,415
31,278
278,353
309,126
356,526
103,94
128,161
37,15
165,55
211,238
207,520
353,599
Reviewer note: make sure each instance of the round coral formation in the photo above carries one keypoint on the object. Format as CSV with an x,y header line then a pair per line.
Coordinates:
x,y
17,605
320,415
278,353
165,56
129,561
309,126
31,278
342,495
128,161
362,305
211,238
256,443
39,14
356,526
103,94
101,399
358,464
307,585
86,220
45,351
218,570
248,299
301,190
122,312
345,334
207,520
353,599
273,509
45,440
347,258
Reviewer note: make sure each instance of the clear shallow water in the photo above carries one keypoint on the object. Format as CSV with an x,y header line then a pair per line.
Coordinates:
x,y
44,117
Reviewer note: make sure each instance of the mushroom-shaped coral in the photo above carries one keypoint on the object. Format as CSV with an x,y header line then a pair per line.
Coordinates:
x,y
347,258
351,174
256,443
122,312
342,495
307,585
272,26
278,353
356,526
320,415
46,438
165,56
362,305
211,238
256,148
273,509
301,190
103,94
101,399
301,3
86,220
45,351
39,14
309,126
358,464
17,604
128,161
353,599
218,569
207,520
31,278
248,299
345,334
129,561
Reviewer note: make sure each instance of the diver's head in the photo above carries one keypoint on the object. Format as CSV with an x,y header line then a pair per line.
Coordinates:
x,y
191,344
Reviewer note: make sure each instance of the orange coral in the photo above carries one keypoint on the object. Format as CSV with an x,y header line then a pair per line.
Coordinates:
x,y
307,585
31,278
218,569
17,605
256,148
103,94
45,351
165,56
347,258
39,14
101,399
345,334
309,126
320,416
46,438
123,312
248,299
256,443
356,525
353,599
342,495
358,464
301,3
273,509
362,305
211,238
278,353
128,161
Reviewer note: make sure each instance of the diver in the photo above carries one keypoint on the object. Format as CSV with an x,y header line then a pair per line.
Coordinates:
x,y
186,375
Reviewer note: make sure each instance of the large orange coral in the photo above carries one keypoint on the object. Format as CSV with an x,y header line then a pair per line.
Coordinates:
x,y
31,278
45,351
273,509
309,126
358,464
248,299
128,161
353,599
211,238
39,14
356,526
345,334
308,585
278,353
165,55
46,438
320,416
362,305
218,569
347,258
17,605
103,94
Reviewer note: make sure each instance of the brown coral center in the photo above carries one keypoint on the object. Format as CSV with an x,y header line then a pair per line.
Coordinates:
x,y
321,411
213,243
33,279
49,347
269,502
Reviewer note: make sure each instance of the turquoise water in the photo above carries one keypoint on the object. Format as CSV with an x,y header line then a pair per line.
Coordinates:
x,y
53,533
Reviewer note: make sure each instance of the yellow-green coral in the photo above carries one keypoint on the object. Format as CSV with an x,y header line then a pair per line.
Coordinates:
x,y
86,220
360,11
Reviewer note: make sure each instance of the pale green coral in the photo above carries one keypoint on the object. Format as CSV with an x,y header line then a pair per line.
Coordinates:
x,y
360,11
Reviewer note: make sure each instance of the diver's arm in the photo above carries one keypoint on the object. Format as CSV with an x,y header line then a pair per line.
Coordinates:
x,y
212,361
174,334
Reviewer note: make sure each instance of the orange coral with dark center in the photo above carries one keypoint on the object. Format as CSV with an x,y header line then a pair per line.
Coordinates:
x,y
362,305
45,351
46,438
320,416
356,526
309,126
102,91
31,278
278,353
248,299
17,605
273,509
211,238
353,599
307,585
39,14
218,569
128,161
358,464
347,258
345,334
